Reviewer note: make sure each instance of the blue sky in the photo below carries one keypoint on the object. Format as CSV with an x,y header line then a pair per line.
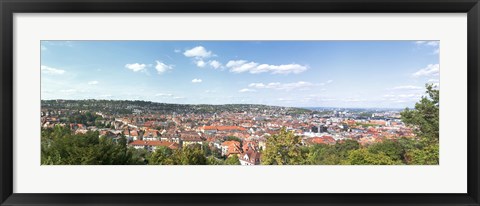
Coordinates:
x,y
380,74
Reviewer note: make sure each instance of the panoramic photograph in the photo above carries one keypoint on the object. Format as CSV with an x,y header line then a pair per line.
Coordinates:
x,y
240,102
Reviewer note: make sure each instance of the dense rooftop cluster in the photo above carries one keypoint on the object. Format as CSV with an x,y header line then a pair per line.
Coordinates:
x,y
232,130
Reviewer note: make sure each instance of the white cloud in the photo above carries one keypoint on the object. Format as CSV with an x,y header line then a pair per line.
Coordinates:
x,y
284,99
428,43
215,64
328,99
66,43
257,85
407,87
58,43
434,44
106,96
201,63
93,82
327,82
136,67
430,70
246,90
411,97
177,50
163,95
354,100
240,66
50,70
43,48
168,96
285,86
196,80
235,63
198,52
433,80
162,67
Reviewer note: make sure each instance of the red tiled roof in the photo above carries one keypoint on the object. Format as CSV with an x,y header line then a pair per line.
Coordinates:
x,y
151,132
231,143
224,128
328,138
350,122
378,122
323,140
133,133
191,138
233,147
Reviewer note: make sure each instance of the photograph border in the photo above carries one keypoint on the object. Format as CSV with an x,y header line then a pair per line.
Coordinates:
x,y
10,7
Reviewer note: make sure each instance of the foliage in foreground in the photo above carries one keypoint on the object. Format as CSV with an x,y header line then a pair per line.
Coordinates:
x,y
425,119
60,147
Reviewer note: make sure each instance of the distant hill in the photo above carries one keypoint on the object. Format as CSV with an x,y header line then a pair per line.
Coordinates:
x,y
129,107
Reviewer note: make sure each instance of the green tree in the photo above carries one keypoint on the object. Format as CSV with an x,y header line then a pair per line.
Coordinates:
x,y
425,120
216,152
388,147
207,151
425,117
364,157
230,138
427,155
343,148
215,161
161,156
283,149
319,154
60,147
232,160
190,155
323,154
142,155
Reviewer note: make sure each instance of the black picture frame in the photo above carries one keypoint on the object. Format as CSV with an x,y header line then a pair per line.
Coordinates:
x,y
10,7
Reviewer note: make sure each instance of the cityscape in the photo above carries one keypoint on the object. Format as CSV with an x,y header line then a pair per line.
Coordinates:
x,y
240,103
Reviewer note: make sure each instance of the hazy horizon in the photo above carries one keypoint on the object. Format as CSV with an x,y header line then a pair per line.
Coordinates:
x,y
303,107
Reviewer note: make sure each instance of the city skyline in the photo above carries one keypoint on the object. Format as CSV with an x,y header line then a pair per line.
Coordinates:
x,y
361,74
